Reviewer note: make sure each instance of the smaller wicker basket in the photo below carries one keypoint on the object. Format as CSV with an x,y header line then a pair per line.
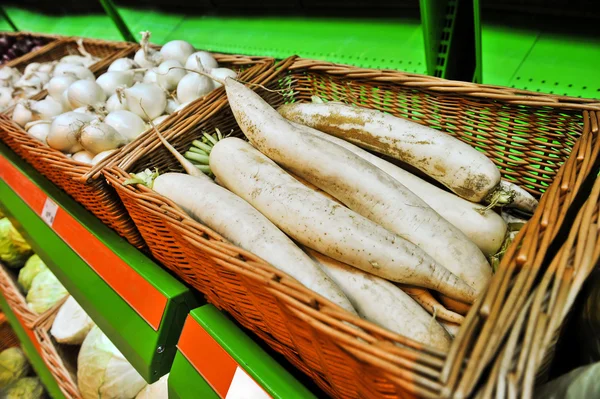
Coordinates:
x,y
60,359
8,338
21,62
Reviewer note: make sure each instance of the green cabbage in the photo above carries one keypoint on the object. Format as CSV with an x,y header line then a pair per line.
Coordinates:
x,y
33,266
71,324
14,250
581,383
158,390
25,388
13,365
45,292
103,372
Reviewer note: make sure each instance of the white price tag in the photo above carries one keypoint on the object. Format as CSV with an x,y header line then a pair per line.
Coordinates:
x,y
49,211
244,387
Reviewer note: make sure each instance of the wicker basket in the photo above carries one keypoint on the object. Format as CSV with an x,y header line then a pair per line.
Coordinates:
x,y
528,136
86,184
60,359
21,62
8,338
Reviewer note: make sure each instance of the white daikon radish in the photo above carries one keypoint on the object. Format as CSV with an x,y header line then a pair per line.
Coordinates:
x,y
201,60
65,131
71,324
128,124
169,73
485,228
193,86
110,81
382,303
222,73
457,165
521,199
83,156
358,184
85,92
98,136
216,207
145,98
178,50
323,225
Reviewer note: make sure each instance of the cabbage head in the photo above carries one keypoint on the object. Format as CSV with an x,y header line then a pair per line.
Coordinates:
x,y
158,390
13,365
14,250
33,266
71,324
25,388
581,383
45,292
103,372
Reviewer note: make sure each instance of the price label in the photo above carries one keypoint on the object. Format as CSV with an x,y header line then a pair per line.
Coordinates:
x,y
49,211
244,387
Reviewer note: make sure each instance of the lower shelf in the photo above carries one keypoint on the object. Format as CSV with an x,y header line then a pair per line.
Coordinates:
x,y
31,348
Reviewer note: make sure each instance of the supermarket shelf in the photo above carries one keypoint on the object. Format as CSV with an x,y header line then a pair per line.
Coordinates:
x,y
98,26
137,304
31,347
216,359
538,60
394,44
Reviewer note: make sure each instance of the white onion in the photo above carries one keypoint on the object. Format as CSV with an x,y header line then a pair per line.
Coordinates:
x,y
181,106
6,97
98,136
222,73
64,100
38,130
47,67
79,71
207,61
178,50
59,84
169,73
109,81
121,64
47,108
150,76
150,97
65,131
160,119
85,92
83,156
22,114
114,103
9,74
172,105
101,155
74,59
128,124
34,66
147,57
193,86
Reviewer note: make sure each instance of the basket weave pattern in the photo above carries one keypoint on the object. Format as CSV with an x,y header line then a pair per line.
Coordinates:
x,y
8,338
528,136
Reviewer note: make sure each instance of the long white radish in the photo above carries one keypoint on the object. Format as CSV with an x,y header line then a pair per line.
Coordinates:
x,y
461,168
382,303
240,223
358,184
323,225
485,228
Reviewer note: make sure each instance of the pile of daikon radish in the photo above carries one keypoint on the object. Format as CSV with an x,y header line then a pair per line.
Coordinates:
x,y
89,118
360,231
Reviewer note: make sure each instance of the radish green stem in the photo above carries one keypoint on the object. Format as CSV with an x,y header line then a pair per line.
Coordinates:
x,y
197,150
499,197
192,156
198,144
145,178
210,138
204,168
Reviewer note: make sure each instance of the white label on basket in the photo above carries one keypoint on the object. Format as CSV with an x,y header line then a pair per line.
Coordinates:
x,y
244,387
49,211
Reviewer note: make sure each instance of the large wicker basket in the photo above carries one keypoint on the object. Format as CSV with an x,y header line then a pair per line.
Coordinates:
x,y
528,136
61,360
85,183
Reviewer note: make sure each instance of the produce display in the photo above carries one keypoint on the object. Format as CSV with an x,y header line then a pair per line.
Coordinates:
x,y
15,86
16,380
88,118
365,233
12,47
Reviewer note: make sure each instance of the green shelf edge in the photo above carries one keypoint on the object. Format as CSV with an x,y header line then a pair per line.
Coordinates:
x,y
32,354
186,382
134,337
